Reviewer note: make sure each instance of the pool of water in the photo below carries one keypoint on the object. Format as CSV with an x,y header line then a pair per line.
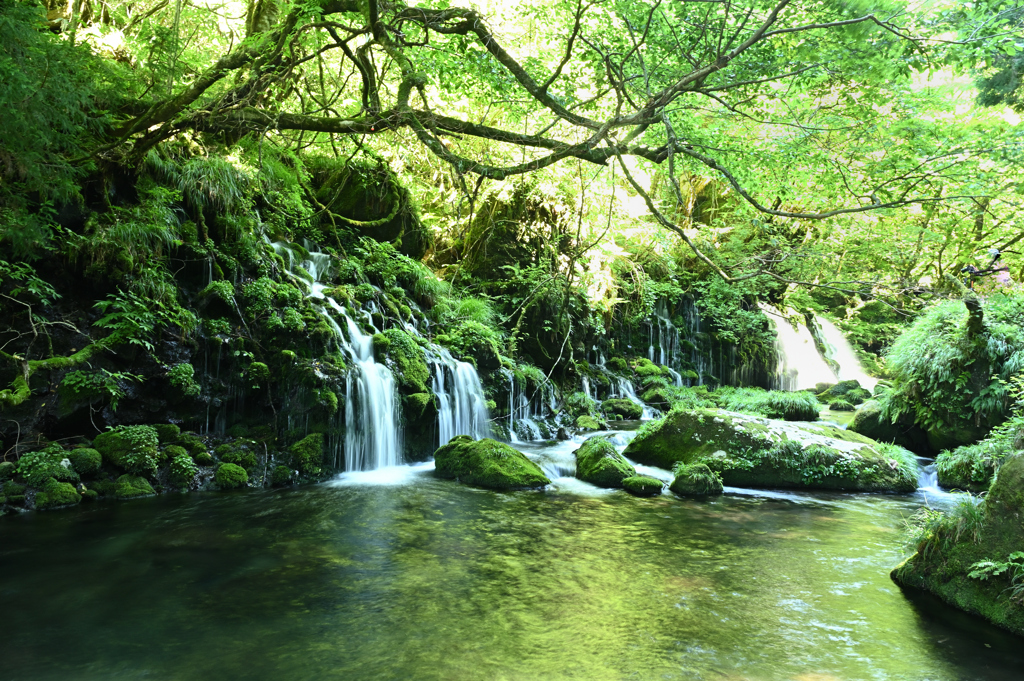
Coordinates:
x,y
399,575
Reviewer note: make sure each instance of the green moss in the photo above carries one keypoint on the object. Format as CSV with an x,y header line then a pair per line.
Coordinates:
x,y
192,443
7,470
487,463
695,480
182,471
646,368
642,486
231,476
259,373
1006,496
972,467
38,467
132,486
598,463
658,398
241,452
85,461
408,360
182,378
748,451
55,494
775,404
840,405
203,458
618,365
587,423
622,407
281,476
167,433
308,454
132,448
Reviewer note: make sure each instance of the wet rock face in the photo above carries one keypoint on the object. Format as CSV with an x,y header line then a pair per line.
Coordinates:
x,y
487,463
598,463
759,452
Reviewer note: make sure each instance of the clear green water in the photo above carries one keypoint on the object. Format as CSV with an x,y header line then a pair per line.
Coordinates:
x,y
429,579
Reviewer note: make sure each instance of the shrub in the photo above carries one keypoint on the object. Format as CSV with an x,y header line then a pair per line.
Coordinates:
x,y
230,476
578,404
85,461
183,470
38,467
133,448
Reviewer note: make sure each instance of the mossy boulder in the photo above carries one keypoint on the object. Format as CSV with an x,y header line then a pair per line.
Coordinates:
x,y
947,554
695,480
840,405
85,461
55,494
231,476
420,413
598,463
192,443
7,470
622,407
587,423
618,365
657,398
972,467
167,433
871,423
487,463
131,448
281,476
132,486
751,451
308,454
244,452
182,471
645,367
642,485
38,467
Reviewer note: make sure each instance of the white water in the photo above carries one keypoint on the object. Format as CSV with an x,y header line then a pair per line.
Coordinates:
x,y
462,408
626,391
842,354
799,366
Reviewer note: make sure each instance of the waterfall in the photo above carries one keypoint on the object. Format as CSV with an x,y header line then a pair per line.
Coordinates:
x,y
799,365
626,391
842,353
372,435
462,408
586,388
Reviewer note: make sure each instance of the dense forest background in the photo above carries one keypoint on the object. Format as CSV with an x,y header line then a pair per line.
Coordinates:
x,y
533,180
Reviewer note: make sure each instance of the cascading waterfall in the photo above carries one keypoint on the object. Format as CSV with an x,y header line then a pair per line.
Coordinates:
x,y
842,353
625,390
462,408
373,438
799,365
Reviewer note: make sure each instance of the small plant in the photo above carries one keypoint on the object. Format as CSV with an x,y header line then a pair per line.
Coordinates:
x,y
1014,565
38,467
182,377
133,448
79,387
182,471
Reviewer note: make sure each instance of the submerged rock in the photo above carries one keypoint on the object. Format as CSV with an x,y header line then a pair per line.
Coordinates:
x,y
487,463
980,540
598,463
643,485
696,480
751,451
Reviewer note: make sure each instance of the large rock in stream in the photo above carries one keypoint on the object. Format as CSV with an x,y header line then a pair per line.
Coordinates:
x,y
598,463
487,463
985,540
751,451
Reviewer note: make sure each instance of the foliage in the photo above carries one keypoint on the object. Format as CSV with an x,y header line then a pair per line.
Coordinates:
x,y
775,404
1013,567
85,461
930,531
947,379
132,448
182,471
38,467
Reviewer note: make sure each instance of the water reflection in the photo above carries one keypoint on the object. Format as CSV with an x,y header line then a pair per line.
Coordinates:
x,y
410,577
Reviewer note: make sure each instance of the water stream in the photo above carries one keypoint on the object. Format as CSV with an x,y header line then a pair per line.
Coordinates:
x,y
394,574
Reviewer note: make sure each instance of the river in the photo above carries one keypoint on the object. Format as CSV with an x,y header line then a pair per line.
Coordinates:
x,y
399,575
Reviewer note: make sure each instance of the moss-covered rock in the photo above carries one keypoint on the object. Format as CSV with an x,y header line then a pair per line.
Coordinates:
x,y
131,448
645,367
38,467
407,359
657,398
242,452
55,494
598,463
7,470
281,476
231,476
870,423
167,433
951,547
749,451
840,405
695,480
618,365
587,423
132,486
308,454
85,461
622,407
642,486
487,463
972,467
192,442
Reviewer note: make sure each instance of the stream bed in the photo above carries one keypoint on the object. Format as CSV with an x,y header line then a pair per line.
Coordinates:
x,y
395,574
